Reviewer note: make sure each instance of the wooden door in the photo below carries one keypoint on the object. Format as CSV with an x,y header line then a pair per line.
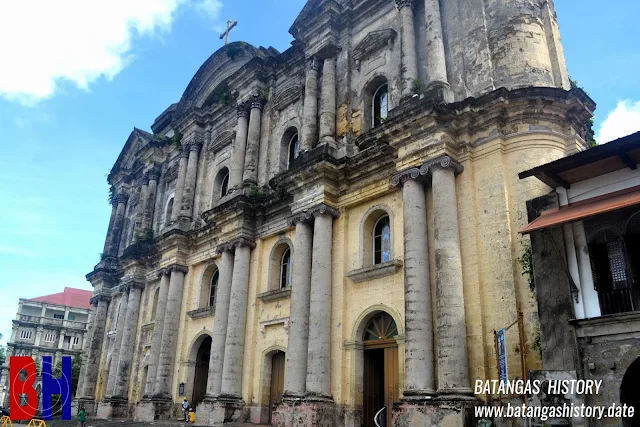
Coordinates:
x,y
277,381
391,382
374,387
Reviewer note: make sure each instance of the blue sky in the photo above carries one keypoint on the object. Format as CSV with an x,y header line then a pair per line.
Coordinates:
x,y
75,80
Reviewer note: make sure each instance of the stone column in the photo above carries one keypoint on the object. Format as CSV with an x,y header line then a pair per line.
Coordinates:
x,y
310,113
39,330
239,147
113,246
453,368
128,340
231,386
92,362
319,354
138,231
419,364
250,173
438,83
150,201
186,211
121,315
61,338
328,103
179,192
409,53
220,324
156,337
108,241
296,363
170,331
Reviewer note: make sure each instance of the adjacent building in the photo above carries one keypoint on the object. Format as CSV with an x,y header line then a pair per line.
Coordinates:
x,y
53,325
332,231
585,239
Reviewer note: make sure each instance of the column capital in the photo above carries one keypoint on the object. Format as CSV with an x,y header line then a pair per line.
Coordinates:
x,y
443,162
313,63
178,268
243,241
242,110
128,286
154,174
195,145
94,301
313,212
404,3
257,101
400,178
121,198
162,272
184,151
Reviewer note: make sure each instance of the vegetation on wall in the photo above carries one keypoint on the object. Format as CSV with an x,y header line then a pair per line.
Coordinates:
x,y
176,139
526,263
112,194
417,86
591,134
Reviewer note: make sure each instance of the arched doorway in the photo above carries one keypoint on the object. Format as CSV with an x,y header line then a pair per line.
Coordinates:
x,y
201,371
381,382
277,381
629,393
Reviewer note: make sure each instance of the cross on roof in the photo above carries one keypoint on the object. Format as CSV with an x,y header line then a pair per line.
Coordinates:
x,y
225,35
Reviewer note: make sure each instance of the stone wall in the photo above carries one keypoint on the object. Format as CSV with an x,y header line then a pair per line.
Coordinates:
x,y
553,291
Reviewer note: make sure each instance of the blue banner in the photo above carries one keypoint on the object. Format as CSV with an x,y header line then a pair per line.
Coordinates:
x,y
502,355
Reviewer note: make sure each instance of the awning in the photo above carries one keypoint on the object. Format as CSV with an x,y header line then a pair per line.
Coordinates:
x,y
584,209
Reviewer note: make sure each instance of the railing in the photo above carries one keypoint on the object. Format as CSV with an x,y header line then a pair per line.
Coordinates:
x,y
51,321
380,418
619,301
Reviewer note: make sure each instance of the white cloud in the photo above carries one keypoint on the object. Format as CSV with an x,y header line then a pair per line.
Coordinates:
x,y
17,251
46,42
622,121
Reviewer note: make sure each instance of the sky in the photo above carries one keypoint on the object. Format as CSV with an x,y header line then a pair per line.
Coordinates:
x,y
77,76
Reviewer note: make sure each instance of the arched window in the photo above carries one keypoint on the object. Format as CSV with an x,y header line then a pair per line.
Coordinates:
x,y
280,266
225,185
213,288
607,253
294,148
154,309
380,105
167,212
380,327
221,184
285,269
382,240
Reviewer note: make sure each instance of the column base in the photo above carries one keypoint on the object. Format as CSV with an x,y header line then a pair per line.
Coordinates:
x,y
433,412
114,407
439,92
228,409
312,411
155,408
461,394
89,405
205,411
419,395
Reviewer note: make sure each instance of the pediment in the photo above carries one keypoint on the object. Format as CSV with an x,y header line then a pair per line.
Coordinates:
x,y
287,95
373,42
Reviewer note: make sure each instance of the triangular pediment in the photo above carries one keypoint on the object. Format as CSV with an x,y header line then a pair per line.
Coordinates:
x,y
373,42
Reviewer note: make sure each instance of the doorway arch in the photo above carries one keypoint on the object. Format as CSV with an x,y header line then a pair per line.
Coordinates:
x,y
629,393
272,381
198,368
377,354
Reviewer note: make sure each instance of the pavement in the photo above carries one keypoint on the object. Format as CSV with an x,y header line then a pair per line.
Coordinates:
x,y
131,423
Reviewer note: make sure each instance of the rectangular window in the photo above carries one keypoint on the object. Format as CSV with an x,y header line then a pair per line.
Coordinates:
x,y
25,335
58,316
49,337
72,317
75,340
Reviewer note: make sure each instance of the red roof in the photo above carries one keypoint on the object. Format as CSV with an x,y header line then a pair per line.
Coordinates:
x,y
71,297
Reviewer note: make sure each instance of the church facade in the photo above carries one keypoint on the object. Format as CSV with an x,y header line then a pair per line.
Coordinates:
x,y
330,234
